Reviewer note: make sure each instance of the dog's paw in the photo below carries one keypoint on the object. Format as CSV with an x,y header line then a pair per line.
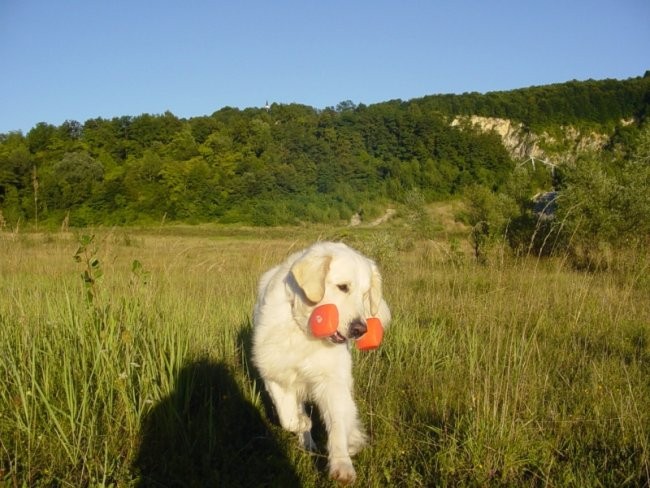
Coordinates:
x,y
342,471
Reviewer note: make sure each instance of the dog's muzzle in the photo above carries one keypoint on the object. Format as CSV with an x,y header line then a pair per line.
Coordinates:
x,y
357,328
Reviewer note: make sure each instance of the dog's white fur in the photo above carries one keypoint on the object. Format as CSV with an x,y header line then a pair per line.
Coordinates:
x,y
297,367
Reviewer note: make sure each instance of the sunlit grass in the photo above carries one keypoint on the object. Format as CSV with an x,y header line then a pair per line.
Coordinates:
x,y
515,372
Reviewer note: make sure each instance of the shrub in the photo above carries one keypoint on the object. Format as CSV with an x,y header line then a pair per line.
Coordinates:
x,y
605,205
489,215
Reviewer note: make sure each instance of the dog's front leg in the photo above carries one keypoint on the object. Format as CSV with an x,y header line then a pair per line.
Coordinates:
x,y
291,413
341,420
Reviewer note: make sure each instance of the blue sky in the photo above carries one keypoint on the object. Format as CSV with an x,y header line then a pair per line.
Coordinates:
x,y
80,59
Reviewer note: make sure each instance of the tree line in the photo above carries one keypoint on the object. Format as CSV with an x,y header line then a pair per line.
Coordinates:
x,y
285,163
591,102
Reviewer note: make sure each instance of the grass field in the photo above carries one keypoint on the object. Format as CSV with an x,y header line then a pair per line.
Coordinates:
x,y
129,366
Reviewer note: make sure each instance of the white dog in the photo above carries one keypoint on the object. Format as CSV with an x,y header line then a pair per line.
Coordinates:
x,y
296,366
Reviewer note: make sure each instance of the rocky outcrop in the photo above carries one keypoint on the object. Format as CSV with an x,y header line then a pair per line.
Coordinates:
x,y
563,144
520,143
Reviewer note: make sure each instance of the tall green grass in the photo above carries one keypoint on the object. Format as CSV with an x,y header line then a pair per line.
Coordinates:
x,y
517,372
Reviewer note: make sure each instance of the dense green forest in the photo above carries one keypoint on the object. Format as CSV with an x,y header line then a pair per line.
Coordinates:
x,y
287,163
604,102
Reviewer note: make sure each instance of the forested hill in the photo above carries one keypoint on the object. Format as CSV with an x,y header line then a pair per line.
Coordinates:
x,y
576,102
287,163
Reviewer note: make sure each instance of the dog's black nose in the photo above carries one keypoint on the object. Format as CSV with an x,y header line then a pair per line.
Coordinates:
x,y
357,329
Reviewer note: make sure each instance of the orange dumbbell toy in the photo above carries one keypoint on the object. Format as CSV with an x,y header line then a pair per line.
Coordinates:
x,y
373,336
324,320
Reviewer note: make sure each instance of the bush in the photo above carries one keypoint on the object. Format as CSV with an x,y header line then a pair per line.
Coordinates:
x,y
489,215
604,205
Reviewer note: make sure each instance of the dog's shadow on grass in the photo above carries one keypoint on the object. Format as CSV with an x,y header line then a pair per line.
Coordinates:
x,y
206,433
245,341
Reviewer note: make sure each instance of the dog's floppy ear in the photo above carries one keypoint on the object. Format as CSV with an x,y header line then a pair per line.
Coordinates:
x,y
310,272
375,290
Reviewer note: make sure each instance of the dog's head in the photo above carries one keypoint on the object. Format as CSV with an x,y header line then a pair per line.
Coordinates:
x,y
335,273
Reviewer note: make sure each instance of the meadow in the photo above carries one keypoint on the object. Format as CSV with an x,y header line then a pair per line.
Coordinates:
x,y
124,359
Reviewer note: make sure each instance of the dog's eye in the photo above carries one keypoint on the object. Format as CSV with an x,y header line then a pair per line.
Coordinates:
x,y
343,287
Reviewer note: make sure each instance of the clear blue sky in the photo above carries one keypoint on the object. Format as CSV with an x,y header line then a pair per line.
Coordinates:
x,y
80,59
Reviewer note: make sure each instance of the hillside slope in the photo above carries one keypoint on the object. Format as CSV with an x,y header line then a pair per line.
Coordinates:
x,y
286,164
